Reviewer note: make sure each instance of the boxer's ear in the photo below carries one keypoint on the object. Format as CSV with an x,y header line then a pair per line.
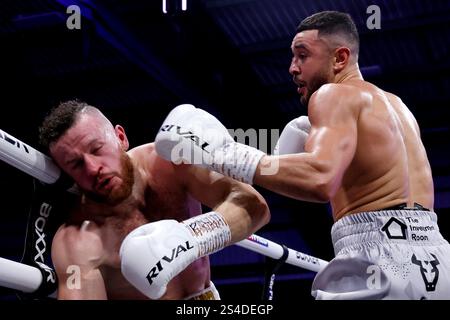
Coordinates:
x,y
121,135
341,59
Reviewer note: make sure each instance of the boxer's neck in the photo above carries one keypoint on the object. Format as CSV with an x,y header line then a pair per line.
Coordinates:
x,y
351,72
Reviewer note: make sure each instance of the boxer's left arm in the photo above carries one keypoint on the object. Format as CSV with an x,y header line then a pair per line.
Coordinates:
x,y
242,207
155,253
316,174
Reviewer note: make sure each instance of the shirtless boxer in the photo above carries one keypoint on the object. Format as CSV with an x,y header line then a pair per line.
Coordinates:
x,y
124,191
361,151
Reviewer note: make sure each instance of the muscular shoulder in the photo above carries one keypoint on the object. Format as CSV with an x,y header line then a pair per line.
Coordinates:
x,y
397,102
177,177
77,245
393,98
143,152
146,158
333,100
333,94
402,110
161,171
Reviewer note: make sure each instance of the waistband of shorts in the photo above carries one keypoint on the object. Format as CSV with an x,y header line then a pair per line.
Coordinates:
x,y
209,293
404,206
408,226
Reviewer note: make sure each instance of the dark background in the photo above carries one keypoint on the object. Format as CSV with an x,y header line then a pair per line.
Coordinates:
x,y
229,57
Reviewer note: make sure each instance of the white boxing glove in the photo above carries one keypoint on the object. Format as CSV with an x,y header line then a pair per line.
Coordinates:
x,y
293,137
194,136
154,253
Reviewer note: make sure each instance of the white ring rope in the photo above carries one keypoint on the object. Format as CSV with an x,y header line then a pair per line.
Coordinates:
x,y
19,276
275,251
26,278
27,159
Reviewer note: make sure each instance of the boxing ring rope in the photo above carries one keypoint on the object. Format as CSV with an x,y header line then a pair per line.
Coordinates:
x,y
27,159
19,276
27,279
274,250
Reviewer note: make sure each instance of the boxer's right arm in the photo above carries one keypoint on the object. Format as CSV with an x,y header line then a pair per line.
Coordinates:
x,y
315,174
76,255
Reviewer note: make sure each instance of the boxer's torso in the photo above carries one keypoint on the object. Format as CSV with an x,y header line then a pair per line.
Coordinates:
x,y
390,165
157,195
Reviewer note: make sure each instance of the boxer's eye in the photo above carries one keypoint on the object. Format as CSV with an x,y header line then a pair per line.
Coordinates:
x,y
96,149
77,163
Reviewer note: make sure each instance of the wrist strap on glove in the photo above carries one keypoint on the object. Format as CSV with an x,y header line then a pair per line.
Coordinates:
x,y
211,231
237,161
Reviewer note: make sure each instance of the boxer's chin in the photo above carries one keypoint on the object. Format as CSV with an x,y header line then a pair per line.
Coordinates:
x,y
304,100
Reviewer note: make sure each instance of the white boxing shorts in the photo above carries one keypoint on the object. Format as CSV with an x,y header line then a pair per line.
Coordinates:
x,y
386,254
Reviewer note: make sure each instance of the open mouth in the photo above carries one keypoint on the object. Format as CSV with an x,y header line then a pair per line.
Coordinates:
x,y
103,183
301,88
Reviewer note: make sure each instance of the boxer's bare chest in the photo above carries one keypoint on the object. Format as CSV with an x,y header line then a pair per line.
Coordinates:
x,y
158,202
